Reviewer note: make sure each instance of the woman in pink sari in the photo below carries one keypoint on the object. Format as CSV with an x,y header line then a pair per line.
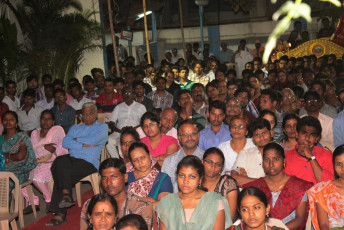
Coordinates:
x,y
47,145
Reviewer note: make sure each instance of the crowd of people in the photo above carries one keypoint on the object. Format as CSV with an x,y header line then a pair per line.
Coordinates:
x,y
192,144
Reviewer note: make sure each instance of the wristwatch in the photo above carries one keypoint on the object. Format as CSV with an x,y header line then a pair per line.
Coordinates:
x,y
312,158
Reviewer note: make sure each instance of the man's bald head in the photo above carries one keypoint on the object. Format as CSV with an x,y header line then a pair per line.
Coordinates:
x,y
168,118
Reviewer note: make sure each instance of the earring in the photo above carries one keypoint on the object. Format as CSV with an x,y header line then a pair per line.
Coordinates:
x,y
283,165
267,216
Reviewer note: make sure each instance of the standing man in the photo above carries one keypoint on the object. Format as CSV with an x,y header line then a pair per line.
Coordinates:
x,y
64,113
225,55
10,99
84,142
188,136
216,132
109,99
125,114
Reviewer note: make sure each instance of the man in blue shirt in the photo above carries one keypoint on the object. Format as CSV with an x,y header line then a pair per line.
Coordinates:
x,y
216,132
84,142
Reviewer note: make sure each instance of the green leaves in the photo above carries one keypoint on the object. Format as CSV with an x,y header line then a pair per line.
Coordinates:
x,y
334,2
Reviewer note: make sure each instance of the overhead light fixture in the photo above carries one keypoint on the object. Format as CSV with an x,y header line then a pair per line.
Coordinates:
x,y
141,15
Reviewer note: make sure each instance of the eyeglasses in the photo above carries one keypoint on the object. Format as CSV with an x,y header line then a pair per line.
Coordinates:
x,y
187,135
149,125
128,93
212,163
238,126
127,143
311,101
290,96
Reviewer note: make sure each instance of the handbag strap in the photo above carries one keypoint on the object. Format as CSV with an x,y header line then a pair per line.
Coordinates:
x,y
156,193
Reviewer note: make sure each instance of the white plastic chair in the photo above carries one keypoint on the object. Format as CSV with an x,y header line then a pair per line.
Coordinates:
x,y
7,216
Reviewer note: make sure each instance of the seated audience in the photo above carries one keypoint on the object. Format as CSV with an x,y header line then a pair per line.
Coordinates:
x,y
11,99
47,145
132,221
192,207
64,113
249,163
146,181
125,114
161,98
84,142
16,146
32,84
29,113
243,95
79,98
231,149
272,119
48,101
140,97
159,144
254,211
199,103
286,194
113,179
188,136
289,123
307,161
90,89
3,106
102,212
213,161
187,112
172,87
288,101
107,101
59,84
216,132
326,198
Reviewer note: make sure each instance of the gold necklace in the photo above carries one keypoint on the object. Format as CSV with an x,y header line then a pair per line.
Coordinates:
x,y
272,187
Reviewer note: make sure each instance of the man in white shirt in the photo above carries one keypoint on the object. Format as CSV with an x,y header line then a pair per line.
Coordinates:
x,y
48,101
79,99
29,114
128,113
175,56
11,100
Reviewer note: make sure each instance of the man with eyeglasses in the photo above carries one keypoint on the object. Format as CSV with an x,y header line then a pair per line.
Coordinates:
x,y
125,114
216,132
188,136
313,104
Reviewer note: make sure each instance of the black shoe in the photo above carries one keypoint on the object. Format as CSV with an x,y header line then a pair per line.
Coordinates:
x,y
28,209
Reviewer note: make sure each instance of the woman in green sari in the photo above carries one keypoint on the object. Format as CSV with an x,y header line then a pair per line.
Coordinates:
x,y
192,208
16,146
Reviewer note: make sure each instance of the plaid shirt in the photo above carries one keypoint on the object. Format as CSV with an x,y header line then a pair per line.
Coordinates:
x,y
203,79
163,102
252,108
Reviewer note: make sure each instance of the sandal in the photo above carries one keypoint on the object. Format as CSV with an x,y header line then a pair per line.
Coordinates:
x,y
66,201
56,221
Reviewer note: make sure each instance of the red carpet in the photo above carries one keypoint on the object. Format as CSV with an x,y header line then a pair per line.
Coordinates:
x,y
73,217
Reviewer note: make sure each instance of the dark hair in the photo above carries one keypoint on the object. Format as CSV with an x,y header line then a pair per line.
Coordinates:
x,y
15,117
160,78
9,82
59,91
319,82
74,80
337,152
313,93
48,111
115,163
252,191
268,111
197,85
311,122
58,82
217,104
138,82
213,83
187,122
183,91
132,220
298,91
196,63
214,150
46,76
183,68
150,116
31,77
269,92
289,116
128,130
88,80
259,123
118,80
191,161
29,93
101,198
242,90
75,85
47,86
137,145
274,146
